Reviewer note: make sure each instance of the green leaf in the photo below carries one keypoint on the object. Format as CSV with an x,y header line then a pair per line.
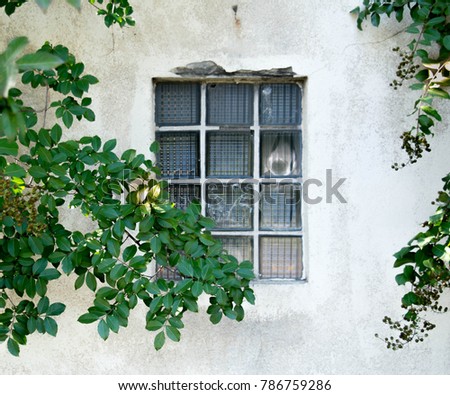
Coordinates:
x,y
442,252
117,272
36,245
13,347
14,170
375,19
13,247
191,246
231,314
207,223
44,138
155,244
176,322
110,145
50,274
107,293
146,224
44,154
439,93
106,265
109,212
155,304
129,252
409,299
43,305
8,147
91,282
67,119
37,172
87,318
154,147
173,333
197,289
116,167
40,60
56,309
412,29
113,323
63,243
50,325
246,273
250,296
216,317
221,296
15,47
446,42
431,111
103,329
113,247
56,133
191,304
159,341
207,239
185,267
153,325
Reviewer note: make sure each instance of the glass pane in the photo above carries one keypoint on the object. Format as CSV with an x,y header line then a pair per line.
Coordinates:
x,y
229,104
177,104
178,156
280,153
280,206
280,257
229,154
168,273
279,104
183,195
239,247
230,205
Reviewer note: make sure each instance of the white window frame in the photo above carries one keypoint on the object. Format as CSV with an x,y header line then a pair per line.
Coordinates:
x,y
256,180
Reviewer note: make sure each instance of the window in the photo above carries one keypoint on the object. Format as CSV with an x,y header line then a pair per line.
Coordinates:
x,y
236,147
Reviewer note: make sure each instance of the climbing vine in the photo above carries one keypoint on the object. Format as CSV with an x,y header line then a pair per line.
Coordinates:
x,y
139,241
426,59
113,11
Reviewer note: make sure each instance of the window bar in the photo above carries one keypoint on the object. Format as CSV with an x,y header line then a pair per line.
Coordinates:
x,y
203,146
256,176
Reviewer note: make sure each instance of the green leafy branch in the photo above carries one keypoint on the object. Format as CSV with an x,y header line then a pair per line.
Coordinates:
x,y
113,11
430,30
426,258
426,268
139,235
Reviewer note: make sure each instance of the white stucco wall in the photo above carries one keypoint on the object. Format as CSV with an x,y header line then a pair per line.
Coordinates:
x,y
352,120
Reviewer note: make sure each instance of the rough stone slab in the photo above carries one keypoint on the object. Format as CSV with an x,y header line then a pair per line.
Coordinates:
x,y
210,68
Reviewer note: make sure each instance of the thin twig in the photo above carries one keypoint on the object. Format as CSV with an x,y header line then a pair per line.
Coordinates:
x,y
47,98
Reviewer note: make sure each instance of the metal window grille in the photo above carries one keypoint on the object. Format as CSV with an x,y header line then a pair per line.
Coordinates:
x,y
229,119
280,104
184,195
229,104
177,104
280,206
178,156
168,273
239,247
229,154
280,257
280,153
231,206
